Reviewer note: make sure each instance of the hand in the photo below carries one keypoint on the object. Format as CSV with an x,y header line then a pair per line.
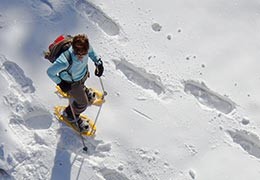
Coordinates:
x,y
99,68
65,86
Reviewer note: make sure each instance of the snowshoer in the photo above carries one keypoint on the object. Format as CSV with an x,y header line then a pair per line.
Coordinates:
x,y
71,80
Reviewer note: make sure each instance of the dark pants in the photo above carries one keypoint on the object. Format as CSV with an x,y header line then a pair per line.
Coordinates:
x,y
80,100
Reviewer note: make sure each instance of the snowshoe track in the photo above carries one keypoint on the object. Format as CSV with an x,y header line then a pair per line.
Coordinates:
x,y
98,17
46,10
140,77
249,141
13,73
18,75
209,98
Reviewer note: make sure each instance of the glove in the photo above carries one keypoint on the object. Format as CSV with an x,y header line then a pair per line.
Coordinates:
x,y
65,86
99,68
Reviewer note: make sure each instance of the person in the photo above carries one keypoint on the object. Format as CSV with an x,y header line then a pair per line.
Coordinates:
x,y
72,81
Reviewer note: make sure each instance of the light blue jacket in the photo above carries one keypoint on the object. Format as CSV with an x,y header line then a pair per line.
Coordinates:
x,y
78,69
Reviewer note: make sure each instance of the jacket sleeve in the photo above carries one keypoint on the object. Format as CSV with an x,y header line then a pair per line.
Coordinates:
x,y
92,54
53,71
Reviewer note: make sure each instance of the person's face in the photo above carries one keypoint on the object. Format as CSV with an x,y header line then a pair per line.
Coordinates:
x,y
80,54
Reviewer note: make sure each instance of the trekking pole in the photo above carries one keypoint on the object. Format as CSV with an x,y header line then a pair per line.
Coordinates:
x,y
96,118
100,107
102,86
85,148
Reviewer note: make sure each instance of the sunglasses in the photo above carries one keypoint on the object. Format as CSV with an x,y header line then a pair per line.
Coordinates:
x,y
80,53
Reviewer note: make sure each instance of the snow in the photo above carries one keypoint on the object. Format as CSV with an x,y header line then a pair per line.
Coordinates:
x,y
182,79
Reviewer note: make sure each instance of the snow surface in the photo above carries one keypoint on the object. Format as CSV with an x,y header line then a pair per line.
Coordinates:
x,y
183,85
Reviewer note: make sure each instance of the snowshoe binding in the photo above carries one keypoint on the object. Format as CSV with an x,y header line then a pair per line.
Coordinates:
x,y
95,96
83,125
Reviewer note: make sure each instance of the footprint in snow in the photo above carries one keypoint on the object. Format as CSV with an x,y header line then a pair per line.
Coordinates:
x,y
46,10
16,73
209,98
247,140
36,120
140,77
97,16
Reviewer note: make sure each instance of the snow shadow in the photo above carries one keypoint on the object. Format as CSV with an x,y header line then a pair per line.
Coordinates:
x,y
140,77
62,165
19,77
4,175
247,140
3,22
70,142
97,16
209,98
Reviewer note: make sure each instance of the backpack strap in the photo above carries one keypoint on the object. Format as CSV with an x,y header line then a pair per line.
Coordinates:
x,y
69,59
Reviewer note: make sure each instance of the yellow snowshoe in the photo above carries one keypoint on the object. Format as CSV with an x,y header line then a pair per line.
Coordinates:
x,y
92,128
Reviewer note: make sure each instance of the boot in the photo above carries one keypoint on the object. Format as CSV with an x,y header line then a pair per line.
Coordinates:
x,y
83,125
90,94
68,114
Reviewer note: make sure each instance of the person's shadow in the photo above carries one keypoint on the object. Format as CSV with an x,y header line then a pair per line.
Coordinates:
x,y
70,142
62,163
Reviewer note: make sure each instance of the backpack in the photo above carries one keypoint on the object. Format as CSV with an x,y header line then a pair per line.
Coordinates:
x,y
60,45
